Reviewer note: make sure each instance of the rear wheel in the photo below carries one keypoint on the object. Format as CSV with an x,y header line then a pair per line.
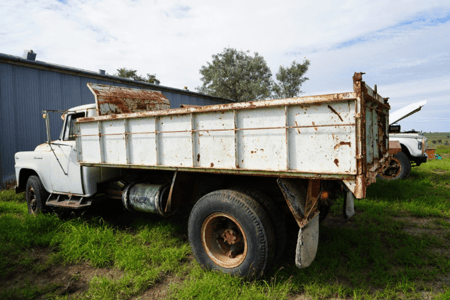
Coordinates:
x,y
228,231
36,196
275,216
399,168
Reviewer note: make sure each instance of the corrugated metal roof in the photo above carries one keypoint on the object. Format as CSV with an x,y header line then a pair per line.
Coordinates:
x,y
80,72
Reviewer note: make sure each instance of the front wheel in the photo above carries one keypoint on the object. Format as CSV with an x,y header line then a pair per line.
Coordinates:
x,y
36,196
228,232
399,168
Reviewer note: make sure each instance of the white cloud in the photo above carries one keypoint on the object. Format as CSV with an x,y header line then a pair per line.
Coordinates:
x,y
402,45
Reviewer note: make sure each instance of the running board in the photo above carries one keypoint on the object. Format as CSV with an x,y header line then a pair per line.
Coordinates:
x,y
68,201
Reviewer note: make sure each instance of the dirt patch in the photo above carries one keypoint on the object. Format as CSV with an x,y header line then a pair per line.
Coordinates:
x,y
430,223
439,171
338,221
160,289
428,226
74,279
71,279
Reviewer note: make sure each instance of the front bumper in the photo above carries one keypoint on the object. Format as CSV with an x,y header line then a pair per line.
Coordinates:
x,y
420,159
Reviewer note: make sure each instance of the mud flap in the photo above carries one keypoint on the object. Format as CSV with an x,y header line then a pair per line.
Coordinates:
x,y
349,205
307,243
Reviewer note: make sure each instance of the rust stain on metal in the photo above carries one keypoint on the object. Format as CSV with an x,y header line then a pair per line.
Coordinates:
x,y
188,105
312,199
295,195
198,157
336,162
342,144
212,165
224,240
333,110
306,100
112,100
314,125
298,129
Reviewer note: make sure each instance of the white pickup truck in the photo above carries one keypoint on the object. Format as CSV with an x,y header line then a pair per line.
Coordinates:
x,y
413,145
242,164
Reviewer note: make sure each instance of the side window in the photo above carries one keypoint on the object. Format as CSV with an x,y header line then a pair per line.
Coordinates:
x,y
69,132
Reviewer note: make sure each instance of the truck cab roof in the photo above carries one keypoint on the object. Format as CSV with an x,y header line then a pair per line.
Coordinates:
x,y
82,107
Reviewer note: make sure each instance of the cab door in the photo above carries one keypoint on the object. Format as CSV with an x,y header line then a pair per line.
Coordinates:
x,y
66,172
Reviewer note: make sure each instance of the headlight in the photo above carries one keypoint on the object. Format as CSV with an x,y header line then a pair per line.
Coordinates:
x,y
420,145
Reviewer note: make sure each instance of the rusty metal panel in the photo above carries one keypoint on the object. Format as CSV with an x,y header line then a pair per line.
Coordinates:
x,y
113,142
369,136
262,149
175,141
303,138
214,140
112,100
326,143
142,141
88,146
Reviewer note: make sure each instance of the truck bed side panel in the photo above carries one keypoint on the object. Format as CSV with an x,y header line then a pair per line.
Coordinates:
x,y
295,137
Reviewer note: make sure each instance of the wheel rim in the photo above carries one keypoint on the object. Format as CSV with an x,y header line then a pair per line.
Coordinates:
x,y
224,240
33,201
393,170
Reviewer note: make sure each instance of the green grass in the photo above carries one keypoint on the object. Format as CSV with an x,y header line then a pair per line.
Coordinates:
x,y
396,246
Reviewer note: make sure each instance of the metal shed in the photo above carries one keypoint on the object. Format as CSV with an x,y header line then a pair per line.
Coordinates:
x,y
28,86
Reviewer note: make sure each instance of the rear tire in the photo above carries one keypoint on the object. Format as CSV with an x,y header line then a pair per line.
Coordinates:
x,y
36,196
228,232
275,216
400,168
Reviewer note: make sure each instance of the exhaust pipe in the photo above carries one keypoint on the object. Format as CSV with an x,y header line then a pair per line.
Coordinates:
x,y
146,197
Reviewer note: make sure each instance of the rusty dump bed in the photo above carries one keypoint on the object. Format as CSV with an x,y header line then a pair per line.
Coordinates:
x,y
111,100
338,136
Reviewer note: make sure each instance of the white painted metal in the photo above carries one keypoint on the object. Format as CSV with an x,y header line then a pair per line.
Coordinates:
x,y
406,111
409,140
300,137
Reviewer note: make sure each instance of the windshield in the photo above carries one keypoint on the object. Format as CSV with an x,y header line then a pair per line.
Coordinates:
x,y
69,129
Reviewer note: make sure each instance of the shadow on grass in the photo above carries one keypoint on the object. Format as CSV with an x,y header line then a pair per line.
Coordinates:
x,y
369,256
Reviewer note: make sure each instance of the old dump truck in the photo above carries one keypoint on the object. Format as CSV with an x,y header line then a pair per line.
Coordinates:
x,y
247,166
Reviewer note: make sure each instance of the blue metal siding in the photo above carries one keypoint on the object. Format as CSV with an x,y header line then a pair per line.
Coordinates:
x,y
26,91
7,136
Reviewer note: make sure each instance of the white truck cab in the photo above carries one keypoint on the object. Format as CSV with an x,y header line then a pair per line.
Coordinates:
x,y
55,165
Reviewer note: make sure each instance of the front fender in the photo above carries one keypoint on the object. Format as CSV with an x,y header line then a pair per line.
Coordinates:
x,y
412,146
29,163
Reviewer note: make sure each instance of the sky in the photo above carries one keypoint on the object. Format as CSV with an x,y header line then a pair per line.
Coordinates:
x,y
402,46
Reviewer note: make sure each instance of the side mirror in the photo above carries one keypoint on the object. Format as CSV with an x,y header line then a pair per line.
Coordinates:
x,y
47,125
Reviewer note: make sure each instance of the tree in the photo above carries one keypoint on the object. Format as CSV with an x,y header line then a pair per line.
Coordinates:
x,y
132,74
236,75
239,76
290,80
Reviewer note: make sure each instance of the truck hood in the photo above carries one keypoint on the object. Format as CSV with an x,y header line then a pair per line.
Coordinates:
x,y
406,111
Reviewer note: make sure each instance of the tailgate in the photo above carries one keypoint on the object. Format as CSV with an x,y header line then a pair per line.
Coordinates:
x,y
372,124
